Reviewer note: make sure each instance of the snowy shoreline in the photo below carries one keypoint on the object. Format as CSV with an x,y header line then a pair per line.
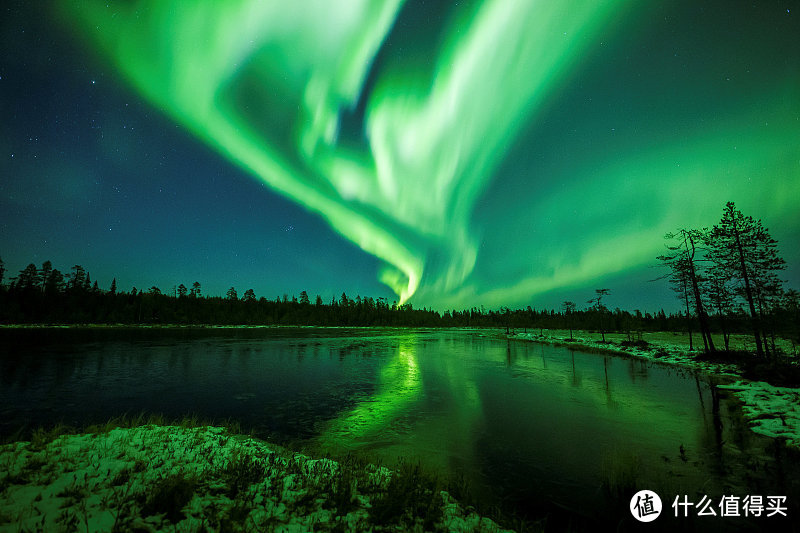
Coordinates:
x,y
771,411
151,478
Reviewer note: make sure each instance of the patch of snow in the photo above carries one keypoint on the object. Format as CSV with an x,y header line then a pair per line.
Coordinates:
x,y
772,411
114,480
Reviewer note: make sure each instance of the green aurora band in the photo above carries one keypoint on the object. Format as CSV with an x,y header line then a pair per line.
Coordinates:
x,y
265,84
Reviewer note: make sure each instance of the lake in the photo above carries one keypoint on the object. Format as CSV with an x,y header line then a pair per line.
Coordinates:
x,y
539,429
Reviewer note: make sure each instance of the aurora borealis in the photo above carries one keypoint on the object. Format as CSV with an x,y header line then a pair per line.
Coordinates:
x,y
487,153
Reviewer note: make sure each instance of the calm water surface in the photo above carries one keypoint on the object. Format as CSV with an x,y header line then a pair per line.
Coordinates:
x,y
534,427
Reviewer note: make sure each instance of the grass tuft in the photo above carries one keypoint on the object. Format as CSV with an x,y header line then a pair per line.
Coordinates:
x,y
412,498
169,496
241,471
41,437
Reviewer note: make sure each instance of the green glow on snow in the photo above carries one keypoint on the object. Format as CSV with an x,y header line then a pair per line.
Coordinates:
x,y
264,84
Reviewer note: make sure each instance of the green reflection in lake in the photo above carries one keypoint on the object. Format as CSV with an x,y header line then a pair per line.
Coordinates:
x,y
407,415
398,388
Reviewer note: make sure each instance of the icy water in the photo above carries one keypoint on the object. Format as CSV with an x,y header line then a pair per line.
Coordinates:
x,y
540,429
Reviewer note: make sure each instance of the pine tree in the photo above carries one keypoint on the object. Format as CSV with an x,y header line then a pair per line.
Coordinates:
x,y
743,249
28,278
569,309
55,283
597,305
77,278
44,275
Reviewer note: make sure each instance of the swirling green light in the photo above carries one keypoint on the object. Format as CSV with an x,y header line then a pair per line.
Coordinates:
x,y
264,83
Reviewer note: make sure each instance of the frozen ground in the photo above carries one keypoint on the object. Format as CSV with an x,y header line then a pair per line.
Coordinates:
x,y
772,411
154,478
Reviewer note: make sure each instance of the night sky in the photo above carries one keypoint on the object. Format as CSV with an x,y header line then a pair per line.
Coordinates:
x,y
454,154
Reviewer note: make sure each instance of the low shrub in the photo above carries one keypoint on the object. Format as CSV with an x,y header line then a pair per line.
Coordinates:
x,y
642,345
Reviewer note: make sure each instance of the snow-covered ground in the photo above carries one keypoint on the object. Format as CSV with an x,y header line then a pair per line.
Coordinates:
x,y
772,411
154,478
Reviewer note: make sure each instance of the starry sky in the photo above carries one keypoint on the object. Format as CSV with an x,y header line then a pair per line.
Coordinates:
x,y
448,154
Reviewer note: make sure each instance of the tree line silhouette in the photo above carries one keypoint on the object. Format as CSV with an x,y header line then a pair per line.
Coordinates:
x,y
726,278
46,296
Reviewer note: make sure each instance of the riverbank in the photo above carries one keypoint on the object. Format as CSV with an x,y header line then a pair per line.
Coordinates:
x,y
771,410
154,478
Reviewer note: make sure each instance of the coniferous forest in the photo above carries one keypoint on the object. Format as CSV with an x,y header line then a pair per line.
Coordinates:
x,y
45,296
726,278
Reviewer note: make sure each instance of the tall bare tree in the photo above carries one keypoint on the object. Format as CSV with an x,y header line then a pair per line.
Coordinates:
x,y
683,261
569,308
597,305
